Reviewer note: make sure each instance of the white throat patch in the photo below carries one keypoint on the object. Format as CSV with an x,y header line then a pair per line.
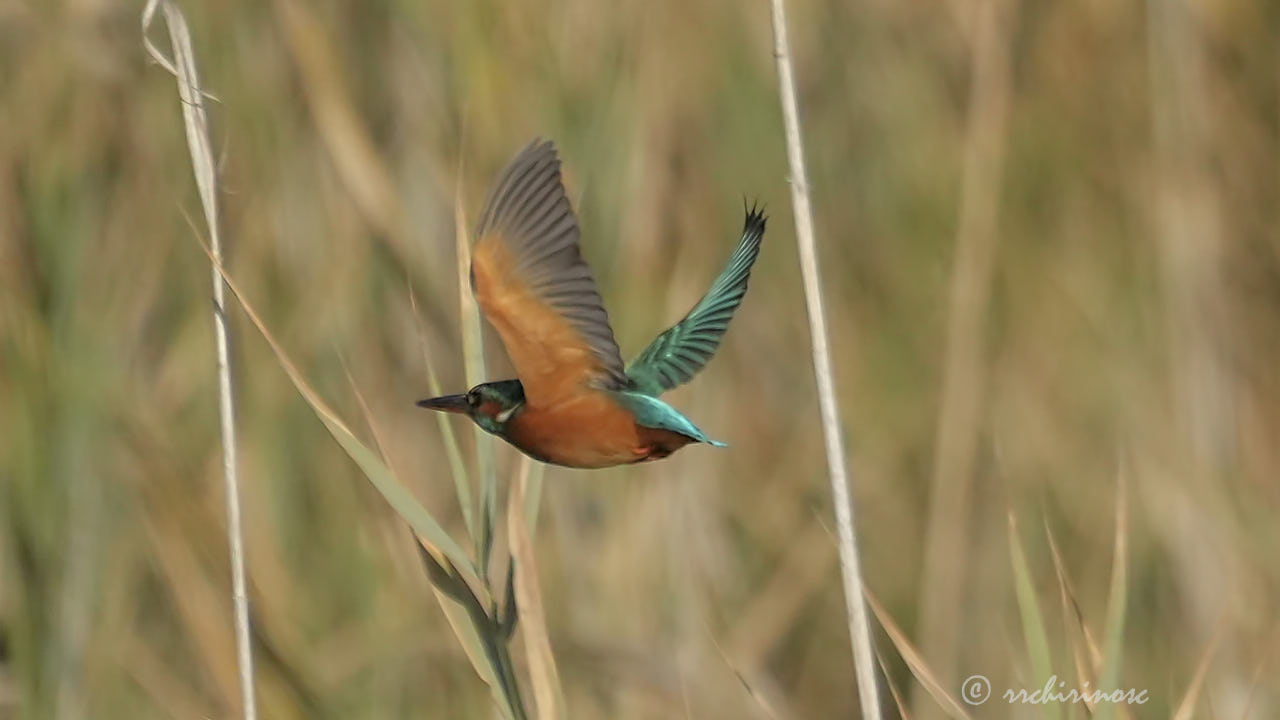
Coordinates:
x,y
505,415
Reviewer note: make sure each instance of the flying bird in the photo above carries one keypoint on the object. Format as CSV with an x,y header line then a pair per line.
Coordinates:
x,y
574,402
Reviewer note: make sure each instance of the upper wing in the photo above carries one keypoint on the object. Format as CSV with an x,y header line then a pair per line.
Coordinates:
x,y
678,354
534,287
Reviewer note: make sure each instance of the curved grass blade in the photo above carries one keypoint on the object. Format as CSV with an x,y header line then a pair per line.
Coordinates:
x,y
469,635
915,661
395,493
1117,602
898,702
1071,612
1033,628
1187,706
483,637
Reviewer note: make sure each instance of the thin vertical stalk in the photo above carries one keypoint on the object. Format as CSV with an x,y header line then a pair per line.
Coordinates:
x,y
473,359
960,416
859,633
197,130
457,468
1191,228
544,677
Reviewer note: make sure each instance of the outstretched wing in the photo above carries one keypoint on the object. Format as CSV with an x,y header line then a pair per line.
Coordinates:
x,y
678,354
534,287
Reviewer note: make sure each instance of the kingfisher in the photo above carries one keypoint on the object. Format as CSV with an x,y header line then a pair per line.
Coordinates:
x,y
573,402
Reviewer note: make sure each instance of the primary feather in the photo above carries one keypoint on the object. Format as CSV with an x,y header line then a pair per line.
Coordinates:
x,y
534,286
676,355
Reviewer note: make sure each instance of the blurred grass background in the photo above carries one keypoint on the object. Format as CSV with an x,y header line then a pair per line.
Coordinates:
x,y
1049,243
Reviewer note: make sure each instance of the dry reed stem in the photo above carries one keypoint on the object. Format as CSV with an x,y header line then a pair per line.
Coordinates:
x,y
960,416
859,631
1256,679
543,674
203,168
1186,708
355,157
1190,222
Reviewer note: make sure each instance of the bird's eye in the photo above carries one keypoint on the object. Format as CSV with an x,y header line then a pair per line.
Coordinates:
x,y
473,398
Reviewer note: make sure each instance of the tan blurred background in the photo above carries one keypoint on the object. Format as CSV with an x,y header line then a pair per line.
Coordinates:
x,y
1049,243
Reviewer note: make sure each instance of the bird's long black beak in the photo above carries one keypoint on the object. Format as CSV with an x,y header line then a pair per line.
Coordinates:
x,y
446,403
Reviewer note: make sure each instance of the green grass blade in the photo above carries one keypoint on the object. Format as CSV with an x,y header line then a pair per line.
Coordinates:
x,y
482,638
476,637
1117,601
473,356
404,503
473,645
457,467
531,474
1080,644
1033,628
399,497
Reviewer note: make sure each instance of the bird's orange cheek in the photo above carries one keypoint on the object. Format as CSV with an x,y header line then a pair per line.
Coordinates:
x,y
489,408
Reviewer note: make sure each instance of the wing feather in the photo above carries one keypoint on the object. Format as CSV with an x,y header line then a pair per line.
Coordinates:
x,y
676,355
534,287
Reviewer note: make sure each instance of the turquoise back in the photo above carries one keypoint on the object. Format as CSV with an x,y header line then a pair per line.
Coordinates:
x,y
651,412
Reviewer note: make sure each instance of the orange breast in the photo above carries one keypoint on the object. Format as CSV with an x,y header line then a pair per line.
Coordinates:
x,y
588,430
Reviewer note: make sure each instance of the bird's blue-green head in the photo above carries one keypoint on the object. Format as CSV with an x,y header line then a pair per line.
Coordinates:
x,y
491,405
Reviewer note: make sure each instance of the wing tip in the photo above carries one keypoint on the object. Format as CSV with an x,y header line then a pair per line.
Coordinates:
x,y
540,145
756,219
535,167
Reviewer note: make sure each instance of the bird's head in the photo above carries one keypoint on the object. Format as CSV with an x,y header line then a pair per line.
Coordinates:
x,y
490,405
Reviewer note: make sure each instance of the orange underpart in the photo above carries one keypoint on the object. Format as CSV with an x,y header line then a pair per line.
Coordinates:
x,y
589,430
